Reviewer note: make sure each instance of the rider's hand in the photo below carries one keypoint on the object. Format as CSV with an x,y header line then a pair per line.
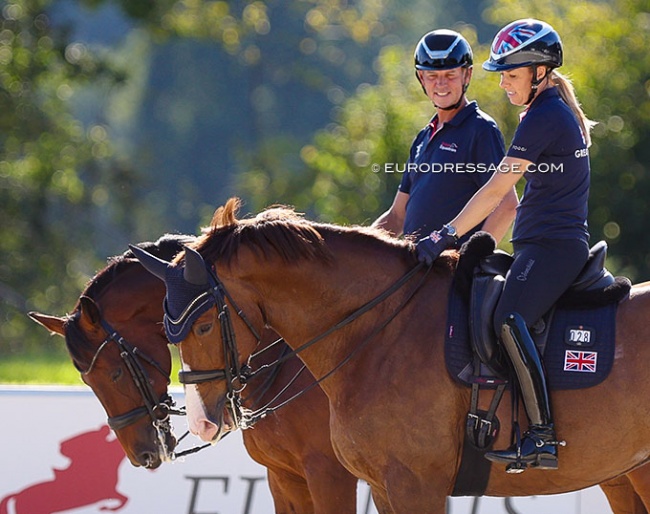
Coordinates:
x,y
429,248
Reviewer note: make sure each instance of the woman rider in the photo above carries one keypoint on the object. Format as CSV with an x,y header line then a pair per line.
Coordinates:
x,y
550,237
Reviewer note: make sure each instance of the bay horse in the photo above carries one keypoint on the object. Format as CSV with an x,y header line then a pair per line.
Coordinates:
x,y
119,307
397,417
293,444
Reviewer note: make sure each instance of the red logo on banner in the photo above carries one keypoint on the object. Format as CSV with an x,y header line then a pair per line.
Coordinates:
x,y
90,478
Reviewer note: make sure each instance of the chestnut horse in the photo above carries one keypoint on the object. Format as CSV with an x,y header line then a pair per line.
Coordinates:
x,y
293,444
397,418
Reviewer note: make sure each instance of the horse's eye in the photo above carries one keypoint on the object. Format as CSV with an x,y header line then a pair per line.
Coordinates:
x,y
203,328
116,375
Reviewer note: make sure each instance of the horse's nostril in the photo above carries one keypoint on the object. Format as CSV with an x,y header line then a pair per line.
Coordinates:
x,y
149,460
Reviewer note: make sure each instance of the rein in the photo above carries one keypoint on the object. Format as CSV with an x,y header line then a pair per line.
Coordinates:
x,y
253,417
246,418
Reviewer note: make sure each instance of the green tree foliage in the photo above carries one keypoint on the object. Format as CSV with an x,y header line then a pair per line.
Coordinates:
x,y
345,178
352,167
66,195
49,165
236,86
278,102
372,123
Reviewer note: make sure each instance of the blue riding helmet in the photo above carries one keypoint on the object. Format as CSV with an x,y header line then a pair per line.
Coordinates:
x,y
442,50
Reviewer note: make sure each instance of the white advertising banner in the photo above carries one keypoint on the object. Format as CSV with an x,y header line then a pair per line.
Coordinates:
x,y
60,457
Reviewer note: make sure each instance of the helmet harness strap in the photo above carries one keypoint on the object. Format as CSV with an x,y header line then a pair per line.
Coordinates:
x,y
535,82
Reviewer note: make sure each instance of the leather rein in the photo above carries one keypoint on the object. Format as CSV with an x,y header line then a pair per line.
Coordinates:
x,y
234,372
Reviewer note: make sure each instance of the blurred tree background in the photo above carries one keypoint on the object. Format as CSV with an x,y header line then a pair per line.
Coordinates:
x,y
121,120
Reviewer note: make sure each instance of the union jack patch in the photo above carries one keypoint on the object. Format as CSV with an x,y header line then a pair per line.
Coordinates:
x,y
435,236
512,37
580,361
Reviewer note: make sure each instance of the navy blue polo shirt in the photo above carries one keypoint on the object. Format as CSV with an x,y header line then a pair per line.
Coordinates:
x,y
554,203
445,171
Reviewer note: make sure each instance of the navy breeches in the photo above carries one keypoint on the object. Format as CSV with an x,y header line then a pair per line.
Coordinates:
x,y
542,270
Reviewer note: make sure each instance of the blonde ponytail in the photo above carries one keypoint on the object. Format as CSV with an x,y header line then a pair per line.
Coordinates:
x,y
568,94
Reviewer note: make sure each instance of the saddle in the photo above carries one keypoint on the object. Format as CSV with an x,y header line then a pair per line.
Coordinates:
x,y
594,287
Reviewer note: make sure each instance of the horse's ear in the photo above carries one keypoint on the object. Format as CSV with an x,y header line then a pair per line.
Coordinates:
x,y
89,310
54,324
226,215
195,271
152,264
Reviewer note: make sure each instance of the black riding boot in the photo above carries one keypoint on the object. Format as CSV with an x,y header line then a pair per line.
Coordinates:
x,y
539,445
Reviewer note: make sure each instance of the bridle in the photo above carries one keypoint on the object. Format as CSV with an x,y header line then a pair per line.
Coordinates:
x,y
234,372
158,409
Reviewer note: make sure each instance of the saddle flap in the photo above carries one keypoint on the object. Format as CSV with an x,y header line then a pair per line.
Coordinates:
x,y
482,278
485,293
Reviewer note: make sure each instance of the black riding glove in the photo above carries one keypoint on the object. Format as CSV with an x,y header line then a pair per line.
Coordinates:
x,y
429,248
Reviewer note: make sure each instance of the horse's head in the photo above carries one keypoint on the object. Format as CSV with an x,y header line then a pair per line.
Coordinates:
x,y
202,319
115,339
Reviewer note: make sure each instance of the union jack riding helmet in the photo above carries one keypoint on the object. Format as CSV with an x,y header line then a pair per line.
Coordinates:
x,y
442,50
525,42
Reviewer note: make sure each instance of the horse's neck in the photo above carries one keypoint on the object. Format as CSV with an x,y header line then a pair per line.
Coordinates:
x,y
306,300
135,293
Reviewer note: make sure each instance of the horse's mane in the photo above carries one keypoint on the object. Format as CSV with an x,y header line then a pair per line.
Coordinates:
x,y
278,230
166,247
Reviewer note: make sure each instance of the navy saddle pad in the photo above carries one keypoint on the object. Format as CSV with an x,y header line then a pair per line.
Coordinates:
x,y
579,352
